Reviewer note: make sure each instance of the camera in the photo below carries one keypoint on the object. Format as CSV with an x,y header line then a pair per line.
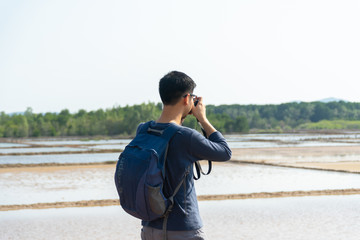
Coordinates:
x,y
196,102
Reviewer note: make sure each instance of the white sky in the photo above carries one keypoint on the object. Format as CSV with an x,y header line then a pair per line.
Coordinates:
x,y
97,54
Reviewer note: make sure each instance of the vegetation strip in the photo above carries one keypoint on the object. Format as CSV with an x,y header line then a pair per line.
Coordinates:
x,y
122,121
112,202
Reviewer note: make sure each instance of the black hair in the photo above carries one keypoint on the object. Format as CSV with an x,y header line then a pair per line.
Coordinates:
x,y
173,86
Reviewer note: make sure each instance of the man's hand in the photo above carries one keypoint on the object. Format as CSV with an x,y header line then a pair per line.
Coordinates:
x,y
199,111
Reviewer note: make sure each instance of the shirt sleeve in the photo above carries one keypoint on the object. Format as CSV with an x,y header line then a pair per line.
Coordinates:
x,y
215,148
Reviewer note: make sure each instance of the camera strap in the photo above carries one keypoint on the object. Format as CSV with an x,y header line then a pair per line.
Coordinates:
x,y
199,170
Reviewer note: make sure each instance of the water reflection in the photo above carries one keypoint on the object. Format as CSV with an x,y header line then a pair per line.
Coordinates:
x,y
247,178
320,218
8,145
90,183
235,141
40,150
60,158
292,140
78,142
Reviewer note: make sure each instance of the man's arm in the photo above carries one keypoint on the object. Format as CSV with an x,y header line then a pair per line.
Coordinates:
x,y
215,147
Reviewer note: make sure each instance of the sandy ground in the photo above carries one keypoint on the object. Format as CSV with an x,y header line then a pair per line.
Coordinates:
x,y
338,166
338,158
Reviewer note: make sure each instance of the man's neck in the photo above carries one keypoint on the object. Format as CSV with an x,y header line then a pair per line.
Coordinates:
x,y
170,114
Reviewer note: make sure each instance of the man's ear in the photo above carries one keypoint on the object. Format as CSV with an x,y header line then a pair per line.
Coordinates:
x,y
186,100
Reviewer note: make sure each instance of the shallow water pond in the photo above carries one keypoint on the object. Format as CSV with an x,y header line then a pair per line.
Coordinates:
x,y
59,158
320,218
77,142
9,145
25,186
41,150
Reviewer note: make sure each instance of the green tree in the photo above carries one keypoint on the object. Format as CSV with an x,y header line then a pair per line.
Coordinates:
x,y
321,112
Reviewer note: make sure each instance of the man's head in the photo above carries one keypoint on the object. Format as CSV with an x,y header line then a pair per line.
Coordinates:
x,y
173,86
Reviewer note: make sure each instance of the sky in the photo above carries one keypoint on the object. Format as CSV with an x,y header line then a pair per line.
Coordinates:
x,y
89,55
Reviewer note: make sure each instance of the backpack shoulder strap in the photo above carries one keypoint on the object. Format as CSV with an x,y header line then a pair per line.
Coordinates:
x,y
171,199
142,128
166,133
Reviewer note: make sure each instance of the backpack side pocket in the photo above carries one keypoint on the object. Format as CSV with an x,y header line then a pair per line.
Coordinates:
x,y
156,199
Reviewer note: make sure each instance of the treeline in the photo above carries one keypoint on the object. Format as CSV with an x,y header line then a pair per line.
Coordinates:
x,y
226,118
114,121
291,116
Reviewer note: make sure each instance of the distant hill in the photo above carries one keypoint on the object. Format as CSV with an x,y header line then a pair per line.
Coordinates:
x,y
331,99
15,113
325,100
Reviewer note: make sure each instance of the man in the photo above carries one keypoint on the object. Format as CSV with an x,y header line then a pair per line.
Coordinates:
x,y
186,147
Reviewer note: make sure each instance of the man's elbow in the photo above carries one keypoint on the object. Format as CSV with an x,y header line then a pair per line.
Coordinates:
x,y
228,154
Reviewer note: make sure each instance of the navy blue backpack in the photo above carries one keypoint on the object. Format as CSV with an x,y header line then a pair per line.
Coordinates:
x,y
140,174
